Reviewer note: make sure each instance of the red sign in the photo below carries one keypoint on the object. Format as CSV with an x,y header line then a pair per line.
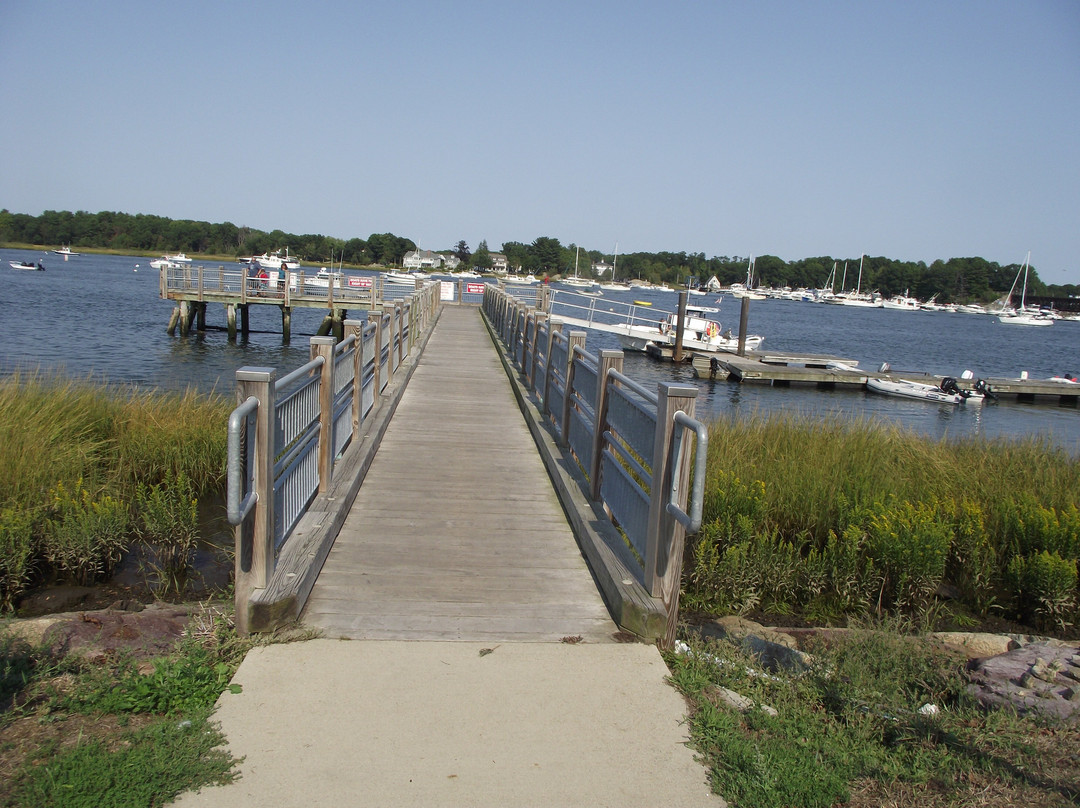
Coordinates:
x,y
363,283
474,288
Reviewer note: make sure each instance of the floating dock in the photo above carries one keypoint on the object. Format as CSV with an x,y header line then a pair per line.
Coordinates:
x,y
786,370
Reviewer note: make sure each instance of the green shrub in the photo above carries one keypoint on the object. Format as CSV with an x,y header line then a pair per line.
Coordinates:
x,y
1044,588
909,543
84,537
973,561
167,517
16,554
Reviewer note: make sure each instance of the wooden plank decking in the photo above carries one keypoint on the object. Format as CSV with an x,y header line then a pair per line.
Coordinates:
x,y
456,533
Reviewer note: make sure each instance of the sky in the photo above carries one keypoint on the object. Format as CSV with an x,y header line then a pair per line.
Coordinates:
x,y
912,130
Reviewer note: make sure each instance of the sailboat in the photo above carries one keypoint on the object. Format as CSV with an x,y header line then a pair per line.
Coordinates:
x,y
1022,316
857,297
583,283
747,290
613,286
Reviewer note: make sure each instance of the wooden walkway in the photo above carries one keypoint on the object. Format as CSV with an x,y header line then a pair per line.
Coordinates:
x,y
456,533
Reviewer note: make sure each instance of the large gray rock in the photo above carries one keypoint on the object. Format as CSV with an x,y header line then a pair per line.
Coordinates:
x,y
1033,679
977,644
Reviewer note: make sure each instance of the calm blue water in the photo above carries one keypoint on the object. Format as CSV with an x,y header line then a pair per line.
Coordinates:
x,y
95,314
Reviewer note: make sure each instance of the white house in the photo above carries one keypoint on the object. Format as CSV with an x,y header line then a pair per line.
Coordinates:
x,y
601,268
498,262
428,260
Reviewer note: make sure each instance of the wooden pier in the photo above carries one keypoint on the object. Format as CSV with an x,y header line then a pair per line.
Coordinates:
x,y
192,288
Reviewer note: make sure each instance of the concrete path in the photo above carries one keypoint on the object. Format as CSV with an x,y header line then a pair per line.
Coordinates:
x,y
388,723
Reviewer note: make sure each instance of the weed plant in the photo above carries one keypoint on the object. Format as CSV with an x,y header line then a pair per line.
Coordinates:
x,y
857,718
147,736
81,464
830,518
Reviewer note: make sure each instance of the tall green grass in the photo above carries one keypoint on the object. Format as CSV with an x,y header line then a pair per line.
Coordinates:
x,y
830,515
77,459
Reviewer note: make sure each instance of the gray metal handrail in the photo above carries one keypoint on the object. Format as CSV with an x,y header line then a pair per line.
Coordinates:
x,y
692,520
240,499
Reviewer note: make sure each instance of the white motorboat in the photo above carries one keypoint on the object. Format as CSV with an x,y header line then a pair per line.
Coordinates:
x,y
270,261
948,392
700,333
901,303
66,252
401,277
528,280
26,265
166,262
179,258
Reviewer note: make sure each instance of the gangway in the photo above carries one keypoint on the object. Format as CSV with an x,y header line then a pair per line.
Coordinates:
x,y
603,314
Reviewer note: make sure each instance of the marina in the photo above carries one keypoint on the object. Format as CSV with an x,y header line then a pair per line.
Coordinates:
x,y
122,338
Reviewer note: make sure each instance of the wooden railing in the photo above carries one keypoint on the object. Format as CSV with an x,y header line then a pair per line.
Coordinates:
x,y
633,446
288,437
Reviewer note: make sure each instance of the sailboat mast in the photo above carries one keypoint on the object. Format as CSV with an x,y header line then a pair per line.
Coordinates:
x,y
614,262
859,288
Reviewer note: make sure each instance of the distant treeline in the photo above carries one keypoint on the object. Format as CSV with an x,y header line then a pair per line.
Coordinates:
x,y
953,280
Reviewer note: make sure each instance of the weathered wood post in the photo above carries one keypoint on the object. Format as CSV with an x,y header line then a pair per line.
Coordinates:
x,y
200,316
744,316
680,327
555,326
230,320
355,329
375,317
576,340
185,318
539,322
608,360
254,537
324,347
174,318
666,536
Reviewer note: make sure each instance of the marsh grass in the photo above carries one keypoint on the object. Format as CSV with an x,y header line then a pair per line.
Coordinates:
x,y
852,722
831,517
74,457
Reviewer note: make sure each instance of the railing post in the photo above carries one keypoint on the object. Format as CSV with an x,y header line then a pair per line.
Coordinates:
x,y
538,322
577,339
608,360
254,537
665,537
375,316
324,347
355,329
554,326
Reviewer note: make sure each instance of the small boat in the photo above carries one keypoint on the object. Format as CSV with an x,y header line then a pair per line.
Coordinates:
x,y
25,265
642,303
400,277
179,258
268,261
66,252
700,333
948,392
165,262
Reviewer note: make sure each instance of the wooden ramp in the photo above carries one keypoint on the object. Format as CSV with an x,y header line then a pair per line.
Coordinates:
x,y
456,533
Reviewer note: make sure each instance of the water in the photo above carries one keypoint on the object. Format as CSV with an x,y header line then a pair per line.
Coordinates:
x,y
96,315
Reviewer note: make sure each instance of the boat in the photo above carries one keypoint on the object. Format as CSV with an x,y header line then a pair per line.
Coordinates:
x,y
576,281
642,303
613,285
268,261
901,303
947,392
528,280
26,265
700,333
400,277
747,290
66,252
1023,315
179,258
167,262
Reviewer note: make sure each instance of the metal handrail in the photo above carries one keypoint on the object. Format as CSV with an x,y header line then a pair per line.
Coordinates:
x,y
239,504
691,521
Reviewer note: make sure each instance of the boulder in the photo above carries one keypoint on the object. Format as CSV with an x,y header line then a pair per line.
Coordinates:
x,y
1030,678
772,647
976,644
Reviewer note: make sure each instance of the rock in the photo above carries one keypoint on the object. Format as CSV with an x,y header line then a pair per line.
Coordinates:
x,y
1009,680
739,702
1047,671
977,645
774,648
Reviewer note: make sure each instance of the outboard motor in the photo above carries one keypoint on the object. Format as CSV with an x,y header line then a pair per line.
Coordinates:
x,y
949,385
982,387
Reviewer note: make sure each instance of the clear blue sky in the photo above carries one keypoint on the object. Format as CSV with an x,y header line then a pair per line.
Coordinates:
x,y
915,130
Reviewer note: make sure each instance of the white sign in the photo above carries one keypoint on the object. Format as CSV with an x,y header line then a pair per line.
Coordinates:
x,y
446,290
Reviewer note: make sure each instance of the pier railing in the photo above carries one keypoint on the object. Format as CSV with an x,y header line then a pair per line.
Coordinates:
x,y
288,437
634,447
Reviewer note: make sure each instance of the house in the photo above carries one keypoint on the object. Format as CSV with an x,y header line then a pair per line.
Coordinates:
x,y
499,263
601,268
421,259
